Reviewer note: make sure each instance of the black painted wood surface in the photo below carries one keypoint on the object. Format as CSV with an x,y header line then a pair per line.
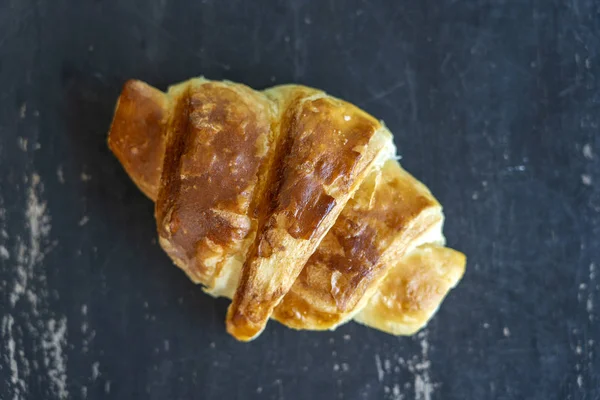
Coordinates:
x,y
495,105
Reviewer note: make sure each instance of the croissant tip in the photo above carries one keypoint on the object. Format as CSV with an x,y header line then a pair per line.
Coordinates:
x,y
240,327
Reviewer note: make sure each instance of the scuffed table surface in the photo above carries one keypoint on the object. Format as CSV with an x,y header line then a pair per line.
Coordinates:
x,y
495,106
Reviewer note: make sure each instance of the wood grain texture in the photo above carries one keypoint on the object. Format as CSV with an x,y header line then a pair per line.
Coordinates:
x,y
494,106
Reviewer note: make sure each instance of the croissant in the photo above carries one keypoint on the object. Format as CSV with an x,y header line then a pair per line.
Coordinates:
x,y
288,201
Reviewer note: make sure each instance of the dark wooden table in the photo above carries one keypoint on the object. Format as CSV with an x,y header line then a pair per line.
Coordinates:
x,y
494,104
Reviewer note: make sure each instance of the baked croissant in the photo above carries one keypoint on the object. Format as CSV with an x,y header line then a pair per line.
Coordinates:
x,y
288,201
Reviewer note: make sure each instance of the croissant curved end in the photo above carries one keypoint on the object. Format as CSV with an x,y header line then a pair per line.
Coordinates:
x,y
289,201
242,327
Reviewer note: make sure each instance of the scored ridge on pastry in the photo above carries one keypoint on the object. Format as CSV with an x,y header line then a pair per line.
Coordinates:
x,y
288,201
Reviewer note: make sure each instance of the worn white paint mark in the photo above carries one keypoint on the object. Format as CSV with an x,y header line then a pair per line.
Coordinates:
x,y
4,254
23,111
584,349
95,370
259,390
516,168
587,151
380,373
387,365
347,338
336,367
38,222
84,330
46,332
85,177
29,288
423,385
418,365
22,277
107,387
396,393
486,325
423,388
586,179
506,331
55,360
590,300
84,220
89,335
345,367
18,385
60,175
22,143
166,345
475,196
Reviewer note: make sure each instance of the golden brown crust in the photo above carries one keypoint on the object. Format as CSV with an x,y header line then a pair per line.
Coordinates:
x,y
331,147
413,290
247,186
217,142
388,214
137,134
